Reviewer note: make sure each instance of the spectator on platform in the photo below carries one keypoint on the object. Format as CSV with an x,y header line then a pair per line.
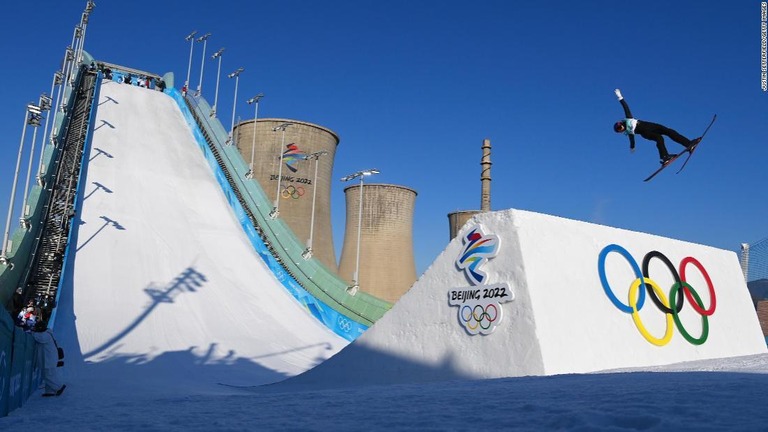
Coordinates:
x,y
51,373
127,79
18,298
27,318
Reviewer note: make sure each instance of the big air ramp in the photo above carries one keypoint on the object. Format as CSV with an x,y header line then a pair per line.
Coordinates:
x,y
521,293
163,276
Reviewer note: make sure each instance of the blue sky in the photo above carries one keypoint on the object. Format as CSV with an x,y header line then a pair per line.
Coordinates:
x,y
412,88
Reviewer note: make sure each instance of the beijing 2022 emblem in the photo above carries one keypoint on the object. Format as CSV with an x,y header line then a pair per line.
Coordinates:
x,y
479,304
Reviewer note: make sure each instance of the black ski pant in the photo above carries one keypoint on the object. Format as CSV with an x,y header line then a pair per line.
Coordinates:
x,y
654,132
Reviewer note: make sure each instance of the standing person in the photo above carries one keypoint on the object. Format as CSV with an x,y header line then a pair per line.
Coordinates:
x,y
27,318
51,373
651,131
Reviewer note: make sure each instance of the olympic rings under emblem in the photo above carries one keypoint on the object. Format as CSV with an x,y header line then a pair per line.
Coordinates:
x,y
291,191
672,305
479,316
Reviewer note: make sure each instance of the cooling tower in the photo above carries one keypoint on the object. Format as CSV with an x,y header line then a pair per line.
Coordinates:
x,y
298,182
387,268
457,219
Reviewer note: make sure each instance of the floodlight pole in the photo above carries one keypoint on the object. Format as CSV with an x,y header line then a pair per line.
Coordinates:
x,y
76,53
307,254
27,120
352,290
253,100
84,25
236,76
36,125
51,113
204,40
218,75
191,39
69,56
276,209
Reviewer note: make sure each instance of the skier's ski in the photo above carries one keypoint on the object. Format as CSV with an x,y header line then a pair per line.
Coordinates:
x,y
693,148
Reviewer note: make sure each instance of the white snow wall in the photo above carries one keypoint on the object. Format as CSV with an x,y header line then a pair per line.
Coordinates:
x,y
562,319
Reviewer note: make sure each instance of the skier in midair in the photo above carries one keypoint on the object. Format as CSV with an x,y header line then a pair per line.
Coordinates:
x,y
631,126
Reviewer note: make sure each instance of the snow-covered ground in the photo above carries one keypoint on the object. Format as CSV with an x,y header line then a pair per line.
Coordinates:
x,y
713,395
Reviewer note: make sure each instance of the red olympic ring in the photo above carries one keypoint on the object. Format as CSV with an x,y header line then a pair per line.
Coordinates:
x,y
694,304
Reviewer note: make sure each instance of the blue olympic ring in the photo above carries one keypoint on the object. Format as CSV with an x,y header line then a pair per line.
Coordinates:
x,y
604,280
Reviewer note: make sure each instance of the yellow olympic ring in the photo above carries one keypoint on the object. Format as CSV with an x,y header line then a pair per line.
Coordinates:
x,y
633,294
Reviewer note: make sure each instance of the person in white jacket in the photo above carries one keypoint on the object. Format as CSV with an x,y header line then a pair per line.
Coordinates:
x,y
51,373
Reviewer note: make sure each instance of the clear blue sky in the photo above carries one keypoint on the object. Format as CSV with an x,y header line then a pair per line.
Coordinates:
x,y
413,87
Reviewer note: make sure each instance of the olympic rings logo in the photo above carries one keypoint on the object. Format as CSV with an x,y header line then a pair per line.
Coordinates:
x,y
344,324
478,316
670,306
293,192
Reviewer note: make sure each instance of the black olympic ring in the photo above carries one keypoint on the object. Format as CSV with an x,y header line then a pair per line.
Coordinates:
x,y
679,297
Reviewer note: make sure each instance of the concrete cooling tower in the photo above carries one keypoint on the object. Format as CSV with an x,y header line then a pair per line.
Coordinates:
x,y
301,177
387,268
457,219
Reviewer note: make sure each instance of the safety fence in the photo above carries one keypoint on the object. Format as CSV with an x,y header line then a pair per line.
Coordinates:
x,y
754,260
20,365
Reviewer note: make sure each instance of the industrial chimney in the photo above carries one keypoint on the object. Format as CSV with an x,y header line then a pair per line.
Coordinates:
x,y
458,218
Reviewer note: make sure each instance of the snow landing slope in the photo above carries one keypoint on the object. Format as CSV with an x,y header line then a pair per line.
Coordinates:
x,y
537,288
163,282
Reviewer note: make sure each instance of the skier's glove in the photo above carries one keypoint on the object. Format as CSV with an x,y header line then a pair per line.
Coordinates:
x,y
618,94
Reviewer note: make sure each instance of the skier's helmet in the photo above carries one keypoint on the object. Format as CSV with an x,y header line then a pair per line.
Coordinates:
x,y
619,126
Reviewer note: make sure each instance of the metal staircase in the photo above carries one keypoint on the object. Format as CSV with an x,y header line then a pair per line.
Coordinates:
x,y
42,276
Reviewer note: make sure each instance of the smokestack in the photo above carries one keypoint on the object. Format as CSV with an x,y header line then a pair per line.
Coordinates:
x,y
458,218
485,177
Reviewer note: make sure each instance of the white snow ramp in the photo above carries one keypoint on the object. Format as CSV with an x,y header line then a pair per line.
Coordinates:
x,y
164,280
521,293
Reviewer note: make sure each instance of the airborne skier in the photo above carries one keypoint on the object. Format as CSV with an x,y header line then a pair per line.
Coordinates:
x,y
631,126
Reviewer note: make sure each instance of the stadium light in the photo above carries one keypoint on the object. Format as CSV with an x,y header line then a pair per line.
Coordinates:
x,y
217,54
191,39
236,76
28,120
316,157
276,209
204,40
352,290
253,100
